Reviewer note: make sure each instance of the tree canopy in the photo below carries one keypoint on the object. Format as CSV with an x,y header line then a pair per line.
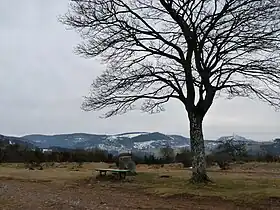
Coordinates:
x,y
188,50
157,50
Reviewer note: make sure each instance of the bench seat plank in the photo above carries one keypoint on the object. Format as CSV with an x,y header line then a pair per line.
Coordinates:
x,y
111,169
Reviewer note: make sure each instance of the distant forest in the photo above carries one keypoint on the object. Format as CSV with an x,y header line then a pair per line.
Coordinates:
x,y
225,154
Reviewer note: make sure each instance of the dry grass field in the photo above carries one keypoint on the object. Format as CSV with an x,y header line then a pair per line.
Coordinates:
x,y
67,186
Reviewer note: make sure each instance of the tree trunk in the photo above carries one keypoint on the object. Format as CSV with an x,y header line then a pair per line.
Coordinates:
x,y
199,174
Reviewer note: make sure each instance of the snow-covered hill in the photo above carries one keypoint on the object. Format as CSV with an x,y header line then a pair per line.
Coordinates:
x,y
235,138
10,140
119,142
137,141
134,141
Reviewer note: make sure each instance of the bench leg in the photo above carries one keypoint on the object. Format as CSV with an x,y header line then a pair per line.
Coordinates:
x,y
102,173
122,175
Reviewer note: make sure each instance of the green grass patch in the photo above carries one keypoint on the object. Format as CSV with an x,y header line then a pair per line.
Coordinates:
x,y
232,187
12,165
6,204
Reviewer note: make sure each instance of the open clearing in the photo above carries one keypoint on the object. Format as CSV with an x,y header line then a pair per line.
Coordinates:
x,y
64,186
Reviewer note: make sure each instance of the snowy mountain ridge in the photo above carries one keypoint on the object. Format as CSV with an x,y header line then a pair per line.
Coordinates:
x,y
142,141
138,141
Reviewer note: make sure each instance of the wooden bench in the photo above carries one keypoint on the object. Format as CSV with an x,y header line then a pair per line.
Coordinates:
x,y
120,172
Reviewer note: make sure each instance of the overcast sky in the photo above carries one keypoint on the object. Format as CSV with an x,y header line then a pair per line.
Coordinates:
x,y
43,82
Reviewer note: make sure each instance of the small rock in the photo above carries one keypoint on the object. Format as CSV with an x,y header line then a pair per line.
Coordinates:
x,y
165,176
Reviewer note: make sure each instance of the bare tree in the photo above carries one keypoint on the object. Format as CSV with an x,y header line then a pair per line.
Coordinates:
x,y
188,50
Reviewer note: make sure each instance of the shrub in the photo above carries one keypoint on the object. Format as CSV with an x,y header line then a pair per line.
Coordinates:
x,y
224,165
185,157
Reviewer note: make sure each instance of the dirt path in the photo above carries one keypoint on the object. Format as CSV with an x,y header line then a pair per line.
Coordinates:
x,y
17,195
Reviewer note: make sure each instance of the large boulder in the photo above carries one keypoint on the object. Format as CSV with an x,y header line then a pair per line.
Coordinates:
x,y
131,166
125,162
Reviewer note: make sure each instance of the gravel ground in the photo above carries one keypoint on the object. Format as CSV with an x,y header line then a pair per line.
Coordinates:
x,y
15,195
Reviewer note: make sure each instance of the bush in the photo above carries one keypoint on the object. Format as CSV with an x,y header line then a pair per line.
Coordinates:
x,y
185,157
222,159
210,160
224,165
